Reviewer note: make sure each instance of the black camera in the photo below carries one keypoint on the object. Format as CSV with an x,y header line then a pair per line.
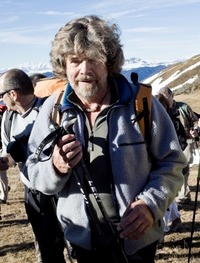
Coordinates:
x,y
18,148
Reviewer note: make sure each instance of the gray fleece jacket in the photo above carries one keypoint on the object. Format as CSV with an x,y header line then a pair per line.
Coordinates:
x,y
134,175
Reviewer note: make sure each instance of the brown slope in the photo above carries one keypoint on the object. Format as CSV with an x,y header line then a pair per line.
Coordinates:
x,y
192,98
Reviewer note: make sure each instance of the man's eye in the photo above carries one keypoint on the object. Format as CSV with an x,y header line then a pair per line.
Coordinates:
x,y
75,61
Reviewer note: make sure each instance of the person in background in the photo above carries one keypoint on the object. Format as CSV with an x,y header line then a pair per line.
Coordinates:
x,y
197,129
135,190
35,77
172,214
3,108
17,92
46,87
4,187
3,182
189,121
198,125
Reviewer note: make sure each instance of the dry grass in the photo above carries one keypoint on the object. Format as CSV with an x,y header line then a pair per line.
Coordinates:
x,y
16,239
193,99
16,242
176,245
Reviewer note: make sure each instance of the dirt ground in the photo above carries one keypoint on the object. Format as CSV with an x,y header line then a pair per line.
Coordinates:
x,y
16,238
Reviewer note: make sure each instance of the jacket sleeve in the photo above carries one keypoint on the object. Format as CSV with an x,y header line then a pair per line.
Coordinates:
x,y
41,174
168,161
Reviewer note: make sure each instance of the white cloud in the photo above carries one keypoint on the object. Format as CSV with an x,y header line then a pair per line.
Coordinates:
x,y
10,19
16,38
139,5
147,29
55,13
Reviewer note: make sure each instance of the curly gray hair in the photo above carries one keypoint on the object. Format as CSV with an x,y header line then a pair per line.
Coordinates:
x,y
87,37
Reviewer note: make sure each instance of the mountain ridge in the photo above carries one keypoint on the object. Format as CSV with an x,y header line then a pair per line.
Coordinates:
x,y
143,68
180,76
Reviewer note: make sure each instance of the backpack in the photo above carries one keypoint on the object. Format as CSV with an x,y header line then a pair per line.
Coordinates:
x,y
180,131
182,107
143,102
174,115
46,86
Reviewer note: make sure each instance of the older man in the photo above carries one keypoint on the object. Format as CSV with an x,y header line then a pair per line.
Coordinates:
x,y
135,188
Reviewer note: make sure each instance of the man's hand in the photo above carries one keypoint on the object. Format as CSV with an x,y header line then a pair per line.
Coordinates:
x,y
66,154
136,220
194,133
4,163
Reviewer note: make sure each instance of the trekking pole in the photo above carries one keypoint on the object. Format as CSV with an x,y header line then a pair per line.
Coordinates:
x,y
195,205
117,251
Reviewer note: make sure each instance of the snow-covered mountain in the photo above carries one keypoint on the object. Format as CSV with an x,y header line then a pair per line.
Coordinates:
x,y
143,71
31,68
138,63
173,74
143,68
178,76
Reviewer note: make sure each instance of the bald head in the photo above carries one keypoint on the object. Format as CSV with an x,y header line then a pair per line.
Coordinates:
x,y
165,91
168,94
16,79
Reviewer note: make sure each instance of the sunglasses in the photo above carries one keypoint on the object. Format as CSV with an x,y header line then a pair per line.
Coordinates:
x,y
3,93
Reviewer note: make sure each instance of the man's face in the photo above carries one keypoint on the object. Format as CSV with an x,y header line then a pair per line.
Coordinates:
x,y
5,95
171,100
87,77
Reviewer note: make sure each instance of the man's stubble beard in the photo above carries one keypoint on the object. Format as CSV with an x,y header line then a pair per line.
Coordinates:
x,y
88,92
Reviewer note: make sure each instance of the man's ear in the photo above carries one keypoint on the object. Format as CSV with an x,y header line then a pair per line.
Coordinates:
x,y
13,94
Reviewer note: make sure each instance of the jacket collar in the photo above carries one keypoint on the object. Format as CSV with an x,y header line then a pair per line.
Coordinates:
x,y
124,89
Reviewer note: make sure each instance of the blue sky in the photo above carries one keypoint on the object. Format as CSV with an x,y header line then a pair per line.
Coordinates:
x,y
156,30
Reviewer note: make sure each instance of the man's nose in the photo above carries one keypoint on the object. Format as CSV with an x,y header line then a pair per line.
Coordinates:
x,y
85,67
